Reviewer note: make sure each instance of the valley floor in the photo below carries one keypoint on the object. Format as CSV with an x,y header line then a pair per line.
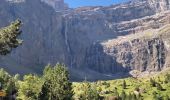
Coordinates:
x,y
146,88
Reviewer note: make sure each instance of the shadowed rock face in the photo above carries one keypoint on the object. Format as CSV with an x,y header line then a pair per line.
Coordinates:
x,y
137,54
91,41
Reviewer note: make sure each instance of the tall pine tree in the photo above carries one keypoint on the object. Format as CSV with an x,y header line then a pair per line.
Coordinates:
x,y
56,84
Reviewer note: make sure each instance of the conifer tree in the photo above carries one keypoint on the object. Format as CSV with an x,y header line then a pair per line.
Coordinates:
x,y
124,84
56,84
8,37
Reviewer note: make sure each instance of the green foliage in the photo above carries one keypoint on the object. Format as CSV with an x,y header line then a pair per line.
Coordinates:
x,y
159,97
115,92
123,95
124,84
167,78
129,96
137,88
7,83
159,87
152,82
56,84
89,92
30,87
166,97
8,37
134,97
107,85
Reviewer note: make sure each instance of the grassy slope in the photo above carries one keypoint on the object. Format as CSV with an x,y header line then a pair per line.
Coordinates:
x,y
132,83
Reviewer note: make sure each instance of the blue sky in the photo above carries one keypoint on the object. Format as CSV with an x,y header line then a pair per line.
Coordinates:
x,y
78,3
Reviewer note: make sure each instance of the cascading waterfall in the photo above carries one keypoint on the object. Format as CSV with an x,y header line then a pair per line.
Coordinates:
x,y
67,44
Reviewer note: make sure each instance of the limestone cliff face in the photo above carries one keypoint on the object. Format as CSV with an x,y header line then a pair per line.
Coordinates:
x,y
139,54
56,4
157,5
89,40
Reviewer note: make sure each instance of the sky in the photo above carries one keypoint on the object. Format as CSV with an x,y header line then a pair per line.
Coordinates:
x,y
79,3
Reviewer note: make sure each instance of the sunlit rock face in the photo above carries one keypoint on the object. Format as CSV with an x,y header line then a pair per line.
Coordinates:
x,y
94,42
57,4
15,1
158,5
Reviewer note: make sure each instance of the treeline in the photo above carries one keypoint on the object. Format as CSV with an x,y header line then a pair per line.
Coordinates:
x,y
54,84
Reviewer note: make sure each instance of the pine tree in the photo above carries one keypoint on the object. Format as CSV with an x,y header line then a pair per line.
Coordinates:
x,y
57,85
8,37
124,84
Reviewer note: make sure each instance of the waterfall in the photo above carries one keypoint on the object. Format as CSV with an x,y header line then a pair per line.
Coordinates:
x,y
67,44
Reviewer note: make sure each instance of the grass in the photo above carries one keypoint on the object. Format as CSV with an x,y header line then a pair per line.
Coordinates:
x,y
142,83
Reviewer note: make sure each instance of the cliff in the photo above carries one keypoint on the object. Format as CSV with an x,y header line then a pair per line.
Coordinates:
x,y
94,42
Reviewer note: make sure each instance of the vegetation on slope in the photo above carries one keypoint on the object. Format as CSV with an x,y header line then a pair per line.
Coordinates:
x,y
8,37
154,88
54,84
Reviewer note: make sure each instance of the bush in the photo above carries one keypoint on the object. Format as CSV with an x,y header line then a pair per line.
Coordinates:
x,y
159,87
30,87
8,83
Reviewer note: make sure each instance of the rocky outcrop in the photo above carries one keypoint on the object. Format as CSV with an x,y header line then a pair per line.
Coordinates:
x,y
139,54
157,5
92,41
